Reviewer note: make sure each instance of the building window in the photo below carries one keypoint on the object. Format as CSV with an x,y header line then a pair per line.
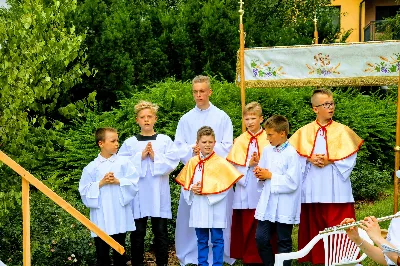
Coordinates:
x,y
383,12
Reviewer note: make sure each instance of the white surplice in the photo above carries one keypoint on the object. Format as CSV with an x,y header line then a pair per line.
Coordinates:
x,y
246,195
329,184
154,197
109,205
393,237
185,140
280,197
206,211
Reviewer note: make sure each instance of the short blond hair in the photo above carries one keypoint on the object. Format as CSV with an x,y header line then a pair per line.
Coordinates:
x,y
252,108
317,92
141,105
202,79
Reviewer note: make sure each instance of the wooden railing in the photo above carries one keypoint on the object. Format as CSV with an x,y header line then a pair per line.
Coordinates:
x,y
28,179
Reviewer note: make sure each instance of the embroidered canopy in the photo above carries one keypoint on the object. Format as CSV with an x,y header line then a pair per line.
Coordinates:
x,y
348,64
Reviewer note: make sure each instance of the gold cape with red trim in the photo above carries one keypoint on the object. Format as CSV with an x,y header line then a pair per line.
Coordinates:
x,y
218,174
341,141
240,149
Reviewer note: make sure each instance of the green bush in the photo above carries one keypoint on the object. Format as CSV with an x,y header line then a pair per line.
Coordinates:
x,y
56,237
368,182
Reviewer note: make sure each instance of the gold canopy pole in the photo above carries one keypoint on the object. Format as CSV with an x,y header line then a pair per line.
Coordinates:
x,y
241,55
397,152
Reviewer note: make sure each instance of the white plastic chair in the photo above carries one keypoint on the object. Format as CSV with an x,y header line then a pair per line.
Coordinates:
x,y
339,249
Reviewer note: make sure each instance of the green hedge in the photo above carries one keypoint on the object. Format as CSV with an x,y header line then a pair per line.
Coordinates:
x,y
58,156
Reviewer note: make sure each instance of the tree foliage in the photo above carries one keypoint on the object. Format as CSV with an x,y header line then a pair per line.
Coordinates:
x,y
40,61
135,43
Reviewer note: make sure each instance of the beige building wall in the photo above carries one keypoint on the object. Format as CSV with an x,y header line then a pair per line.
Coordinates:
x,y
349,18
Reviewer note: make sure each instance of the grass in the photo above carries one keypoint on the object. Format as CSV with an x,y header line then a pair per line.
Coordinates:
x,y
379,208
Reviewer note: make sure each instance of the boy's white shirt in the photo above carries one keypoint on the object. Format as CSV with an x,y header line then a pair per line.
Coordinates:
x,y
330,184
110,205
280,196
246,195
154,197
185,140
206,211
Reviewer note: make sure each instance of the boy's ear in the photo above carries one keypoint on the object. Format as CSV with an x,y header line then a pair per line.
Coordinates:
x,y
137,122
315,109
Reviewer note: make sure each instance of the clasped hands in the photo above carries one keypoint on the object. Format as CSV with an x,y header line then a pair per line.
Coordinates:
x,y
319,160
196,188
254,159
148,151
196,150
109,179
262,173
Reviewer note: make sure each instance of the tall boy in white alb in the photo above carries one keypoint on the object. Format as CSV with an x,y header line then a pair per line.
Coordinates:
x,y
203,114
155,157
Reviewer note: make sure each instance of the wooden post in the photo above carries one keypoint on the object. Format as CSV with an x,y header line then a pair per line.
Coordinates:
x,y
30,179
397,152
26,230
241,55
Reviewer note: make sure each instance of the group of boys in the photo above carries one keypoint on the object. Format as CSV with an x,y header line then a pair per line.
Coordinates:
x,y
247,196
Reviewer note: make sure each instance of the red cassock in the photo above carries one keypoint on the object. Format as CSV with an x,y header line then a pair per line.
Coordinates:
x,y
315,217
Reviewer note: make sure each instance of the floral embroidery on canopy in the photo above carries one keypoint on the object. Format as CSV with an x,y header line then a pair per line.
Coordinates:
x,y
265,70
387,65
322,66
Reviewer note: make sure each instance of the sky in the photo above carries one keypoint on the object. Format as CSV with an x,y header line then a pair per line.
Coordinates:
x,y
2,3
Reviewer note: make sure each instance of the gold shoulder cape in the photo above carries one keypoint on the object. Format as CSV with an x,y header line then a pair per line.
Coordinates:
x,y
341,141
218,175
240,149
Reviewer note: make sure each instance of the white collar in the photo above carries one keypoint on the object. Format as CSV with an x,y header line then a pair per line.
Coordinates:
x,y
205,110
111,159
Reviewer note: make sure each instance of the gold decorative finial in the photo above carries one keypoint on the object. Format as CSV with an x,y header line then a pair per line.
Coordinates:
x,y
241,11
315,21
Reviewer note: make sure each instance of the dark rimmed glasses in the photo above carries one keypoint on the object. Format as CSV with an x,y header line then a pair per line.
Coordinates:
x,y
327,105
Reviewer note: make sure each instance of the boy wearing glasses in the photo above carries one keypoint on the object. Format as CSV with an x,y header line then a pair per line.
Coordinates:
x,y
331,152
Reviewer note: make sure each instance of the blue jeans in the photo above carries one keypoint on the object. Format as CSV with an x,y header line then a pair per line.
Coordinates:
x,y
264,232
217,240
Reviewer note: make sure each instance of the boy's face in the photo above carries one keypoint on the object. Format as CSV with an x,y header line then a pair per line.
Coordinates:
x,y
324,107
275,138
146,120
201,94
110,143
206,144
252,122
